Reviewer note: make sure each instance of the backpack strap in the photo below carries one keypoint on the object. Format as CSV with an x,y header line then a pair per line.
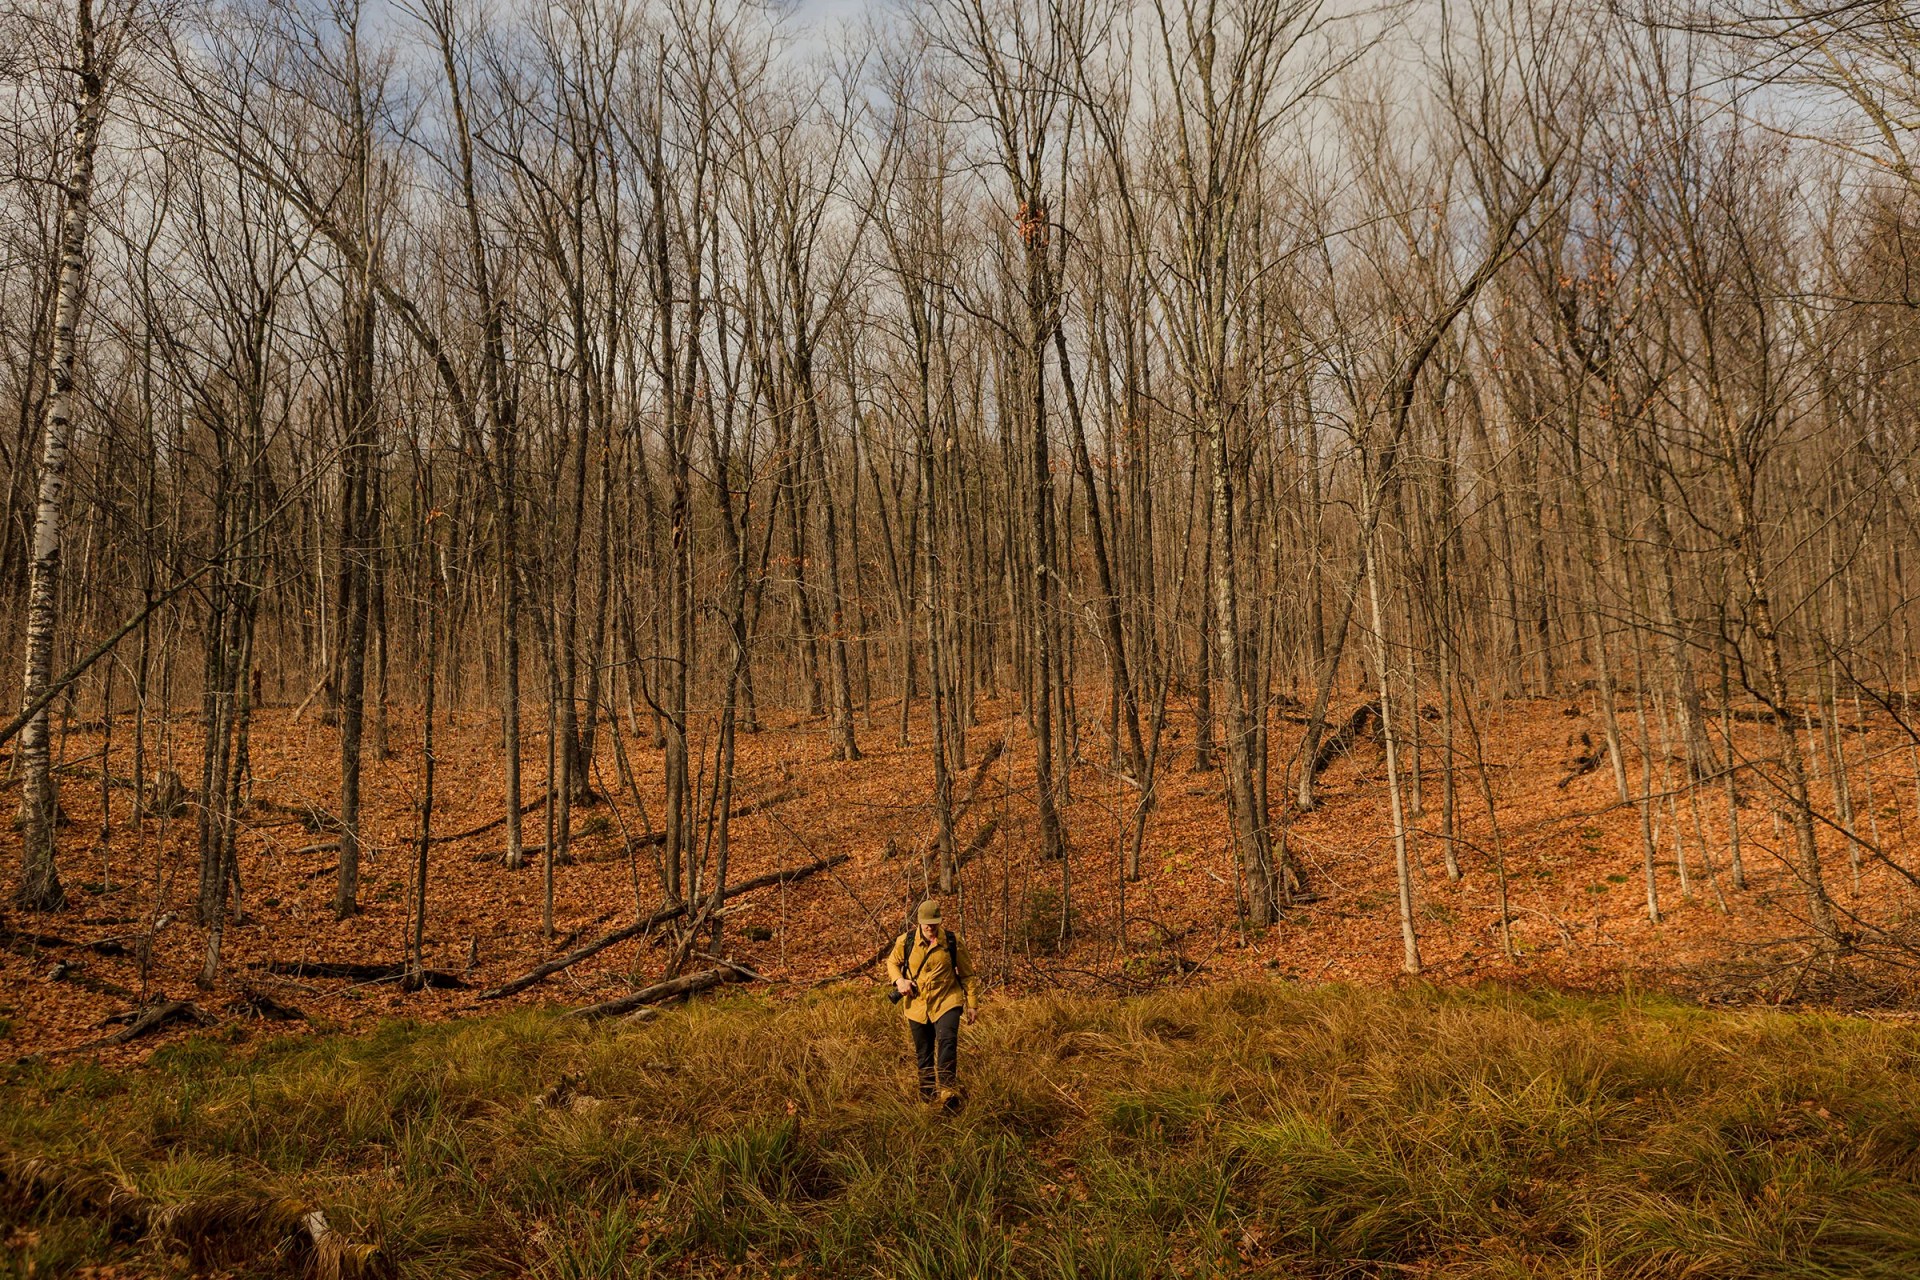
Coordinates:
x,y
953,952
906,961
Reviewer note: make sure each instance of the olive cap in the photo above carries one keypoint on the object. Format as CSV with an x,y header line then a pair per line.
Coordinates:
x,y
929,913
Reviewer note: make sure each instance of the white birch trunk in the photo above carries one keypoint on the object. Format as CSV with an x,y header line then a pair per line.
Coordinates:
x,y
40,884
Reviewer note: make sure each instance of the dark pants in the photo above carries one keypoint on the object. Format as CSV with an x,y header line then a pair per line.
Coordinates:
x,y
936,1047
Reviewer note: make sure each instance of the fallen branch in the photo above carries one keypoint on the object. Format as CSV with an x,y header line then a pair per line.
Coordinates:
x,y
67,971
573,934
1584,763
639,842
986,762
154,1017
756,806
1760,715
527,851
258,1216
855,971
1342,740
679,957
958,810
672,911
671,989
542,971
73,766
1803,718
13,940
490,824
787,876
978,845
355,972
258,1004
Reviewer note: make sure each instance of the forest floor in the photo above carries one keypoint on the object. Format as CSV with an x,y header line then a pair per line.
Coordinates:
x,y
1572,855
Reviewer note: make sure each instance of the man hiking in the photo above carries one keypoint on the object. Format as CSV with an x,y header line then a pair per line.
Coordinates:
x,y
933,982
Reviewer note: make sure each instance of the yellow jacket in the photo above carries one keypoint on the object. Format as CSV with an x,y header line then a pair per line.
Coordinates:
x,y
942,982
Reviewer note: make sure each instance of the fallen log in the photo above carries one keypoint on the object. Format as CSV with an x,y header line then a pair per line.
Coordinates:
x,y
1767,715
672,911
258,1004
350,970
260,1218
1759,715
752,807
958,809
986,762
671,989
573,935
548,969
978,845
316,819
1342,740
152,1018
787,876
628,848
14,940
858,969
527,851
647,840
1592,755
356,972
67,971
488,825
687,936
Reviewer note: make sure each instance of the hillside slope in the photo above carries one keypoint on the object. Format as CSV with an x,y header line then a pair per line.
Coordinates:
x,y
1572,855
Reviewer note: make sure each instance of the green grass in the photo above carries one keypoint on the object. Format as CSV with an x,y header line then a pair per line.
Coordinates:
x,y
1267,1130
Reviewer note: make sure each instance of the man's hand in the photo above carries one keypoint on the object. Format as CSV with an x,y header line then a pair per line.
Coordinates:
x,y
972,1015
903,986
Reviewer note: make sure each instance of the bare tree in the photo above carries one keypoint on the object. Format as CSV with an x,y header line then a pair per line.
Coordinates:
x,y
95,46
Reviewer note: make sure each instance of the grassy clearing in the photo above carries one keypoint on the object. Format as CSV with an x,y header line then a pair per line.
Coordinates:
x,y
1247,1130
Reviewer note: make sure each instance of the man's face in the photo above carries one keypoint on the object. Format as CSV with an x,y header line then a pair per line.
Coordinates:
x,y
931,932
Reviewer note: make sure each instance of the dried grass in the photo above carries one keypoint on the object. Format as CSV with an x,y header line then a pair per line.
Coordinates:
x,y
1255,1129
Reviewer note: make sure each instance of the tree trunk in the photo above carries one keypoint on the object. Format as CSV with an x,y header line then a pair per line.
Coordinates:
x,y
1402,863
356,552
40,888
1250,837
